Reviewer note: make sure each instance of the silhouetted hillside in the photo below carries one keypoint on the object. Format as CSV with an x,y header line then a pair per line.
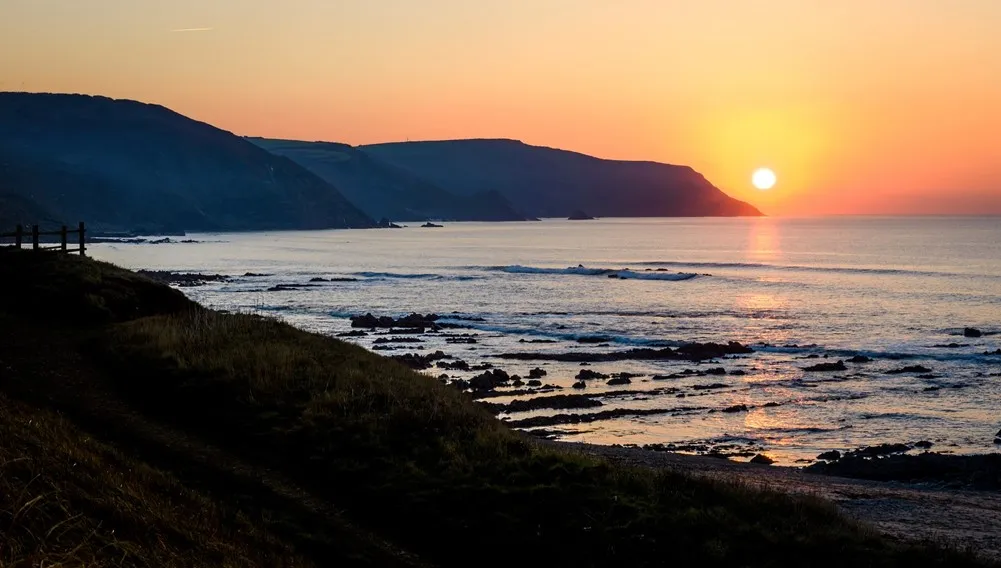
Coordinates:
x,y
554,183
125,165
383,190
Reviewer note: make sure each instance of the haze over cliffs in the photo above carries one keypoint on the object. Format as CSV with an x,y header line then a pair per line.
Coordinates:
x,y
125,165
122,165
546,182
383,190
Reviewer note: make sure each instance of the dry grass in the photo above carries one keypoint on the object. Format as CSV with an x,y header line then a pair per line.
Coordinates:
x,y
67,499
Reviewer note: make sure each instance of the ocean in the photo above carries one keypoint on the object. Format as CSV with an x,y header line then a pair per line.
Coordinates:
x,y
800,292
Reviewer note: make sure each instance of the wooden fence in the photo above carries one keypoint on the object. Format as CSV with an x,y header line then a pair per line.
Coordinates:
x,y
20,235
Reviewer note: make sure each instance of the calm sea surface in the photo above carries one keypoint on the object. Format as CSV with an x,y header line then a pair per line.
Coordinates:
x,y
898,290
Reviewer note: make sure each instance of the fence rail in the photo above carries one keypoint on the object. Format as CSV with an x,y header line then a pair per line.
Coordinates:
x,y
19,235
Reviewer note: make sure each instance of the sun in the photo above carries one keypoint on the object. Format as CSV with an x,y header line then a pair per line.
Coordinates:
x,y
763,178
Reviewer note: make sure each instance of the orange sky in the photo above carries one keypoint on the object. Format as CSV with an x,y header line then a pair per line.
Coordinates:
x,y
889,106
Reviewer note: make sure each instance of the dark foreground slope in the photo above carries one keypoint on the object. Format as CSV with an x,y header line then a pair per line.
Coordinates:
x,y
547,182
385,191
126,165
305,450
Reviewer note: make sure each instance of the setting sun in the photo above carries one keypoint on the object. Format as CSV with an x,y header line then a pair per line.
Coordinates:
x,y
763,178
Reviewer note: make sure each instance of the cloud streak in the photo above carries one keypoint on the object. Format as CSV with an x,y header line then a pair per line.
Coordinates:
x,y
183,30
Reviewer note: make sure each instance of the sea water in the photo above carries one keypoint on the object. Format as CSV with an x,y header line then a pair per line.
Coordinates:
x,y
800,292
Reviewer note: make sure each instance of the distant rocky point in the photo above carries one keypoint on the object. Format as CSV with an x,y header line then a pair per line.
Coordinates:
x,y
548,182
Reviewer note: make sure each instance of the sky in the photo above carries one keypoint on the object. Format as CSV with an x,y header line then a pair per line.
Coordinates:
x,y
860,107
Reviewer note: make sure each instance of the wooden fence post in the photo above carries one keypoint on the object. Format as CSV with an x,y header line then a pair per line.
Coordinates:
x,y
19,236
63,235
83,247
34,237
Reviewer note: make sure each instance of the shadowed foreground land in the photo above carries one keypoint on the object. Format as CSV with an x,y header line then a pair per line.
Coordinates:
x,y
141,429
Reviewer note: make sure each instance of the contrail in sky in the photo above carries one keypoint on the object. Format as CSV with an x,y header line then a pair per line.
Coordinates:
x,y
192,30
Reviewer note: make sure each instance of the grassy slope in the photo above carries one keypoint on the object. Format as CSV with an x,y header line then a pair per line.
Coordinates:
x,y
333,454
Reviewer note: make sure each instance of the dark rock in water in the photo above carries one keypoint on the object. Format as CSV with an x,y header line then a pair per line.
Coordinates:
x,y
353,333
412,321
481,367
619,381
460,384
832,455
770,405
559,402
489,380
385,223
517,383
710,387
579,215
910,369
923,444
626,375
534,383
952,345
826,367
458,365
880,450
536,341
762,459
420,362
254,275
997,441
461,340
289,287
667,377
587,375
537,373
593,339
443,377
318,279
735,408
738,373
860,359
398,340
579,385
931,389
703,351
688,352
716,371
998,434
183,279
430,225
972,332
981,472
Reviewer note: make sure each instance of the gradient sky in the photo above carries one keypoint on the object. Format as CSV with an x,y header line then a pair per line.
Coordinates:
x,y
875,106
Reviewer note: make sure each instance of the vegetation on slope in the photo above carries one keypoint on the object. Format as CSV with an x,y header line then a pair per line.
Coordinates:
x,y
339,455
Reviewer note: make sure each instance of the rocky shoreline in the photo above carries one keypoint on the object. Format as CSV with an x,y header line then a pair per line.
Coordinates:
x,y
444,345
926,510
